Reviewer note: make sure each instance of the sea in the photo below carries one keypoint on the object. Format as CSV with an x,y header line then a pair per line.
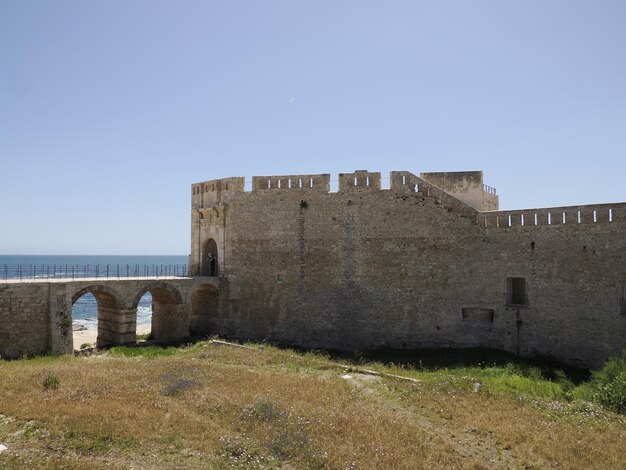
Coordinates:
x,y
85,309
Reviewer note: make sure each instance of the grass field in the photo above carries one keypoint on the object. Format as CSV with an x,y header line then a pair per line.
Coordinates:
x,y
210,405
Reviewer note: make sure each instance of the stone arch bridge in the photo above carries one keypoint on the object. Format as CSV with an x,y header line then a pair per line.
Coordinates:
x,y
36,316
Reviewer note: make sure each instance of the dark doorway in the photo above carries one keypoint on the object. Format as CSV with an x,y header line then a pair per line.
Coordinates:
x,y
209,259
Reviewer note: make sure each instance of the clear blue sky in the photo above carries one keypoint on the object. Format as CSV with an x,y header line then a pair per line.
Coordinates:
x,y
110,110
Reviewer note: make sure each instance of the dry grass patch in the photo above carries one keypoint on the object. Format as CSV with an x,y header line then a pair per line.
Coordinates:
x,y
214,406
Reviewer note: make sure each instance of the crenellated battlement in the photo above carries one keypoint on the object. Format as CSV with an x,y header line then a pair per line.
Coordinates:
x,y
320,183
555,216
461,192
214,192
359,180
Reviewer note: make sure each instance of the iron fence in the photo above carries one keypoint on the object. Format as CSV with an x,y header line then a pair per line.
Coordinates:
x,y
35,272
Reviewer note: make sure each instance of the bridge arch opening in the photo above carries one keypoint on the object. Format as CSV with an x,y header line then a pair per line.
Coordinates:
x,y
168,319
209,259
98,317
204,311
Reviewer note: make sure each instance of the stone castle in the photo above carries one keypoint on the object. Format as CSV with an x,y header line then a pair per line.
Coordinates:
x,y
429,263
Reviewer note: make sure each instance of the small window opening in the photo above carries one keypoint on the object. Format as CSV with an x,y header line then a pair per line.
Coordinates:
x,y
403,179
516,291
311,182
610,215
289,184
595,217
268,184
563,218
522,219
536,220
367,181
280,277
578,216
549,218
278,184
509,221
355,181
226,186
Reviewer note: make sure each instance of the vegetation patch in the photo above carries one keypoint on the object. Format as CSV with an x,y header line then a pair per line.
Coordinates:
x,y
143,351
216,406
51,382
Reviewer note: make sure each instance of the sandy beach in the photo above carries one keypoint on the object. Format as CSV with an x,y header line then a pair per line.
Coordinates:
x,y
89,336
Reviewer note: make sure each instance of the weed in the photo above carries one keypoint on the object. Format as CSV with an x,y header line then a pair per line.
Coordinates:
x,y
177,387
608,385
85,345
142,351
51,382
264,411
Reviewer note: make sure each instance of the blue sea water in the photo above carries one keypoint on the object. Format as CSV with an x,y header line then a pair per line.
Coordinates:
x,y
85,309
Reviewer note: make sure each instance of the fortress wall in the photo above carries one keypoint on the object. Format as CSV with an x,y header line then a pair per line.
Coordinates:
x,y
24,316
360,269
215,192
353,271
359,180
567,215
464,185
575,277
319,183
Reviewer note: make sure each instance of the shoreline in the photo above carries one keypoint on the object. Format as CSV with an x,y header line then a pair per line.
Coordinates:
x,y
89,336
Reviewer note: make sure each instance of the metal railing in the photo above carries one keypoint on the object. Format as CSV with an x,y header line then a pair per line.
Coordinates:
x,y
43,272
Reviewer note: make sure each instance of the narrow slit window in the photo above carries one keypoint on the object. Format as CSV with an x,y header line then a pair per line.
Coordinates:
x,y
516,291
403,179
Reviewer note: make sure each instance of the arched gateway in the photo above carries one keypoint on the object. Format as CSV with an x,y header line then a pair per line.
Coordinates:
x,y
209,259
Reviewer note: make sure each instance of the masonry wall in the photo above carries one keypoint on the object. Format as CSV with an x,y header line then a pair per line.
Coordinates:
x,y
36,316
34,320
412,267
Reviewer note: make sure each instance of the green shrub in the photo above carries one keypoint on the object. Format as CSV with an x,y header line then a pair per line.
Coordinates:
x,y
51,382
612,395
85,346
607,386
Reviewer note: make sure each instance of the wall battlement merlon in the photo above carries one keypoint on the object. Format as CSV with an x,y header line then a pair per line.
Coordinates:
x,y
217,192
359,179
564,215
